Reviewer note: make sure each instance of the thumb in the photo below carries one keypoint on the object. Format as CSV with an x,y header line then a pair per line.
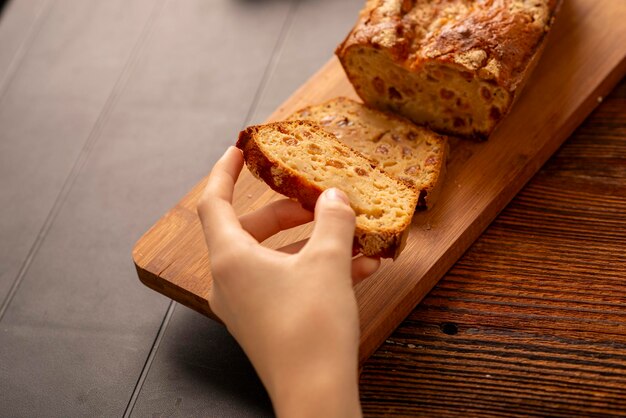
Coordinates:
x,y
333,232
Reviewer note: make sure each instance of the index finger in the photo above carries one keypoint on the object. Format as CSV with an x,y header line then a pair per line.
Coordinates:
x,y
218,218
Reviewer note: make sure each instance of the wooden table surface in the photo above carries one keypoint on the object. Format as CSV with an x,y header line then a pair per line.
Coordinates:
x,y
531,321
105,106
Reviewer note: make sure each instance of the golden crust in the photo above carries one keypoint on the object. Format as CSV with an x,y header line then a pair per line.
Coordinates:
x,y
479,52
493,39
385,243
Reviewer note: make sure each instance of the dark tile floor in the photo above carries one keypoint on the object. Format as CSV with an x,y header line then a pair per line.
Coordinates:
x,y
109,112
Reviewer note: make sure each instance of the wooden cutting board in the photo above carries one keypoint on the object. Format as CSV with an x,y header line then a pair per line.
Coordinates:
x,y
585,57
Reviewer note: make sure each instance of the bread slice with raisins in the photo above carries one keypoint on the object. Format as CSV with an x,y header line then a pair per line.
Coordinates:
x,y
300,160
398,146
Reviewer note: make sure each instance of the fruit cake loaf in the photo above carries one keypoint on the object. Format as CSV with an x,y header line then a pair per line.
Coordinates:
x,y
301,160
395,144
454,65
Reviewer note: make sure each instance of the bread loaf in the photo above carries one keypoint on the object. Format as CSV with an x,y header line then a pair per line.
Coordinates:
x,y
394,144
301,160
454,65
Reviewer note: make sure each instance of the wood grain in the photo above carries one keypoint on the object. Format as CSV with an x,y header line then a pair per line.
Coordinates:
x,y
584,59
531,321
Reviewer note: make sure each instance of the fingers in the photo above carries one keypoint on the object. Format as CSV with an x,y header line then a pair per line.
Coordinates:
x,y
275,217
215,210
224,175
334,226
363,267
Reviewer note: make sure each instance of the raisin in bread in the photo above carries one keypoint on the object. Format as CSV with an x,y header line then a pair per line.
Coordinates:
x,y
396,145
454,65
301,160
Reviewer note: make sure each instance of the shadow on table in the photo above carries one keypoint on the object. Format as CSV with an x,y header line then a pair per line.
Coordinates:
x,y
2,4
201,369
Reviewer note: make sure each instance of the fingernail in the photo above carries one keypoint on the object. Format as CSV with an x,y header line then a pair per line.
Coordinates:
x,y
336,194
232,149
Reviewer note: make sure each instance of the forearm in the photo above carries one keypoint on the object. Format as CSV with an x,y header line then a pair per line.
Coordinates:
x,y
295,315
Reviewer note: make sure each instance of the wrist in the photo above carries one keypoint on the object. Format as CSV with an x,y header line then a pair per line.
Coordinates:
x,y
328,390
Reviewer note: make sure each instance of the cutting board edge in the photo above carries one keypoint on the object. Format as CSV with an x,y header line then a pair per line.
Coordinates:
x,y
176,293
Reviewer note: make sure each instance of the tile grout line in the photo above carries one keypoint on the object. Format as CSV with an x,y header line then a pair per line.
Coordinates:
x,y
85,151
150,359
18,58
271,65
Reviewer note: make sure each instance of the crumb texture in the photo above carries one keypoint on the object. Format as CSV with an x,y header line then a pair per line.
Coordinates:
x,y
408,152
301,160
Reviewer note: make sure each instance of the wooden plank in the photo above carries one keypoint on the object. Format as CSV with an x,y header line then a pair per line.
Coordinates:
x,y
19,23
531,321
200,371
75,336
584,59
58,357
55,92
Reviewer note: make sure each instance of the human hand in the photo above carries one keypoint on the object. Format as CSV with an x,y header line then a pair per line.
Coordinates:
x,y
293,311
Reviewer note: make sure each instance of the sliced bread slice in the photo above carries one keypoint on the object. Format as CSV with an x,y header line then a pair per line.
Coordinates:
x,y
395,144
301,160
